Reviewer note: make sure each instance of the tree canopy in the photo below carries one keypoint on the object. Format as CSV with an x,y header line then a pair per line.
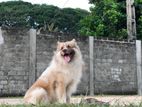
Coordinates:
x,y
108,19
16,13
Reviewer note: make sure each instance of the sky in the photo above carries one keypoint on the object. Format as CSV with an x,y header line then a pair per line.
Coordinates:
x,y
83,4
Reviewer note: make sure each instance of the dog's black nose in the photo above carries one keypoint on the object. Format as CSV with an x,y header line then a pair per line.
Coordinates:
x,y
65,50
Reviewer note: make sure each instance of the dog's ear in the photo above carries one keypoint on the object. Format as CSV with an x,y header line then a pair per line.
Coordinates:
x,y
73,40
58,42
58,45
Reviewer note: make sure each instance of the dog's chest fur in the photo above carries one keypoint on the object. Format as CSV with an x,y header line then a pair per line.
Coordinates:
x,y
69,73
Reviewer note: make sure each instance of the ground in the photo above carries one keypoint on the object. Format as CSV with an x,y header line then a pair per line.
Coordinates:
x,y
112,100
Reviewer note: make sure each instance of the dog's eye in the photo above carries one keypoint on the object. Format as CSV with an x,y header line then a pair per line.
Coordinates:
x,y
61,48
68,46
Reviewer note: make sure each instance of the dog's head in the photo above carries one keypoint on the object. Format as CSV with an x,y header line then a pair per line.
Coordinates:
x,y
68,51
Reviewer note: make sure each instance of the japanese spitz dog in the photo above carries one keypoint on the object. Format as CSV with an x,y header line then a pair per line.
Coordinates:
x,y
60,79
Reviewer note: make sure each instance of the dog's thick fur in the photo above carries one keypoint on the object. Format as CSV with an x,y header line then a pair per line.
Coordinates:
x,y
60,79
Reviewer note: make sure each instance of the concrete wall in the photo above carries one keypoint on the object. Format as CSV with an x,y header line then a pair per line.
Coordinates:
x,y
14,59
114,63
115,67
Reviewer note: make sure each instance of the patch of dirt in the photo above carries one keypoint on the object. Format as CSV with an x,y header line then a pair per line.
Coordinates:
x,y
11,101
109,100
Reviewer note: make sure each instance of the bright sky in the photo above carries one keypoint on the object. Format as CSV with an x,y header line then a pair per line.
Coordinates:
x,y
83,4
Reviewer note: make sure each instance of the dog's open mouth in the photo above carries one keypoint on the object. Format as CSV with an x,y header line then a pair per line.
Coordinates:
x,y
68,55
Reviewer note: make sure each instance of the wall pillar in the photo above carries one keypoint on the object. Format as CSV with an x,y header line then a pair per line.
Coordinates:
x,y
91,56
138,61
32,72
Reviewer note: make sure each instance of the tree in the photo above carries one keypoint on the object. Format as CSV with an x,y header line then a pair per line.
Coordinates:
x,y
108,19
138,6
105,20
15,13
67,19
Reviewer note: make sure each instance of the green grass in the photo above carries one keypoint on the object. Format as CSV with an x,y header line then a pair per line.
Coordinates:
x,y
56,105
71,105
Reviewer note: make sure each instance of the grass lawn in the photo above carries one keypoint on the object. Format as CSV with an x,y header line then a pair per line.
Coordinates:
x,y
72,105
97,101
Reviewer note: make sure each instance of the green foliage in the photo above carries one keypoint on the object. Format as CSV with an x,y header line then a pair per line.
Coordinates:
x,y
15,13
11,12
52,28
139,27
138,4
108,19
68,19
104,20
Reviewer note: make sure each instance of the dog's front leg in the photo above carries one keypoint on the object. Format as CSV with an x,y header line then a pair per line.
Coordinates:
x,y
62,99
69,90
68,97
61,93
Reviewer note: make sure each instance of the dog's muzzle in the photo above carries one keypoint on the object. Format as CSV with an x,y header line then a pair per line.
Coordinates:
x,y
68,54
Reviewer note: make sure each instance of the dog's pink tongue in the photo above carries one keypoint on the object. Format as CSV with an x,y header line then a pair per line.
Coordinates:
x,y
67,58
